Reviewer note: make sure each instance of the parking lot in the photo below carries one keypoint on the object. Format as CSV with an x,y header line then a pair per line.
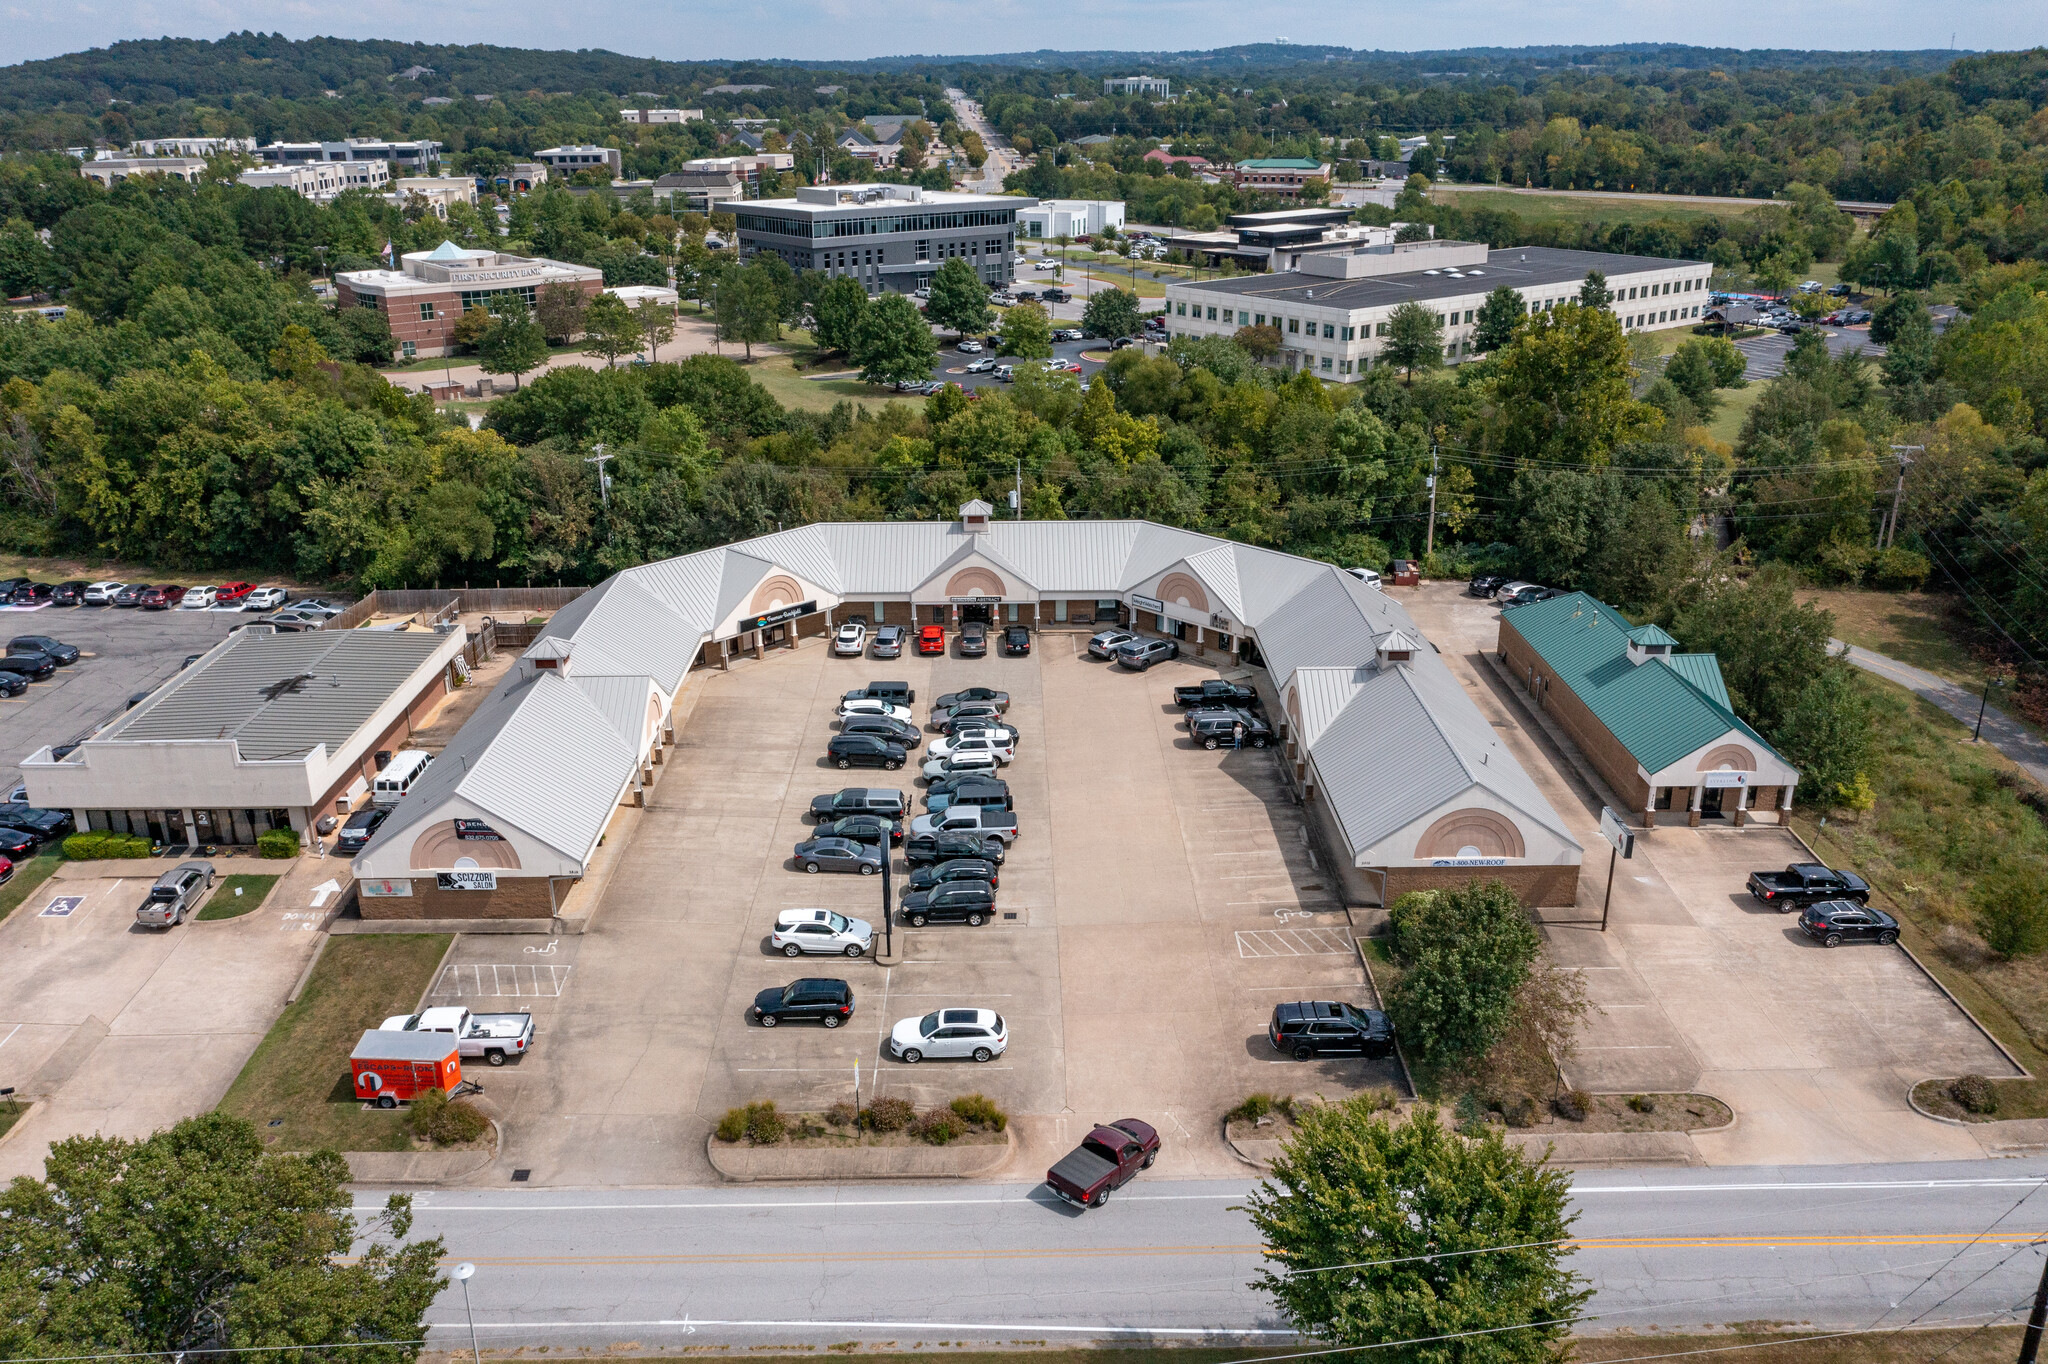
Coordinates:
x,y
121,652
1164,900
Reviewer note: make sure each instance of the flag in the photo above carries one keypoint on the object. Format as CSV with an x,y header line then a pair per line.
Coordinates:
x,y
390,259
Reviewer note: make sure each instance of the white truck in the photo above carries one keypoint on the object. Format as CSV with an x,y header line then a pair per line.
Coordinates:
x,y
495,1037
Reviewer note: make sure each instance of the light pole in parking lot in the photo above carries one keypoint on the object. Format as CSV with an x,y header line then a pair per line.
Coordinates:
x,y
888,898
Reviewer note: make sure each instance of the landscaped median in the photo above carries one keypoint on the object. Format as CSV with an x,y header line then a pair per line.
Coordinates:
x,y
886,1139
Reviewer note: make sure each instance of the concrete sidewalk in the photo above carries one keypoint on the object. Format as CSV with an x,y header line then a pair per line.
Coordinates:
x,y
2001,731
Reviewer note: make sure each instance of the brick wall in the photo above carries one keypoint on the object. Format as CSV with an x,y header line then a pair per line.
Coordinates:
x,y
1536,887
1615,764
517,897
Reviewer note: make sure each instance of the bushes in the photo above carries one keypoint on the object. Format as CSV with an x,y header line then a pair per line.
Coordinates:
x,y
277,843
96,843
758,1122
733,1125
890,1115
444,1121
2011,906
1974,1094
981,1111
1465,955
937,1126
1254,1107
761,1124
1574,1104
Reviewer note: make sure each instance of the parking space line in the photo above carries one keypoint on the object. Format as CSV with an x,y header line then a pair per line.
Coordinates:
x,y
522,981
1291,942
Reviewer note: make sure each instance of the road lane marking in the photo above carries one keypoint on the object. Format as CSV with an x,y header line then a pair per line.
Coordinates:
x,y
1198,1332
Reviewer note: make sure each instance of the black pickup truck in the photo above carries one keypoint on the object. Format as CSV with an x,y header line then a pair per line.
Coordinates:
x,y
1107,1158
1214,728
1214,692
1805,883
861,800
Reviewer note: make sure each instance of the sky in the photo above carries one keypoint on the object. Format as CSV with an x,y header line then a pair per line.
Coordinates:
x,y
843,29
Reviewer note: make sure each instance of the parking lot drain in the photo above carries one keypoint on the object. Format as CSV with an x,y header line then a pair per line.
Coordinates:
x,y
1008,915
521,1176
277,1122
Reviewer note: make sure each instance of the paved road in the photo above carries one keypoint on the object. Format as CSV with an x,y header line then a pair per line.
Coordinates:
x,y
2001,731
1766,354
1002,157
1845,1246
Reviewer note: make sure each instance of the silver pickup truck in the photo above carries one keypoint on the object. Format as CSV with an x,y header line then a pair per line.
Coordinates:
x,y
495,1037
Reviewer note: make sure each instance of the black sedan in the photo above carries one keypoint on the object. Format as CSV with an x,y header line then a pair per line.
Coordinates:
x,y
1484,585
944,847
12,684
1833,922
359,828
999,699
956,902
45,824
864,750
860,828
65,654
956,869
30,665
19,844
974,640
814,855
1016,641
830,1002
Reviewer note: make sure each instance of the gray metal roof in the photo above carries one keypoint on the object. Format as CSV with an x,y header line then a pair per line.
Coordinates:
x,y
279,696
1519,267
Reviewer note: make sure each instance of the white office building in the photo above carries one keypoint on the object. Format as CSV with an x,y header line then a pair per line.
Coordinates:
x,y
1052,218
1151,87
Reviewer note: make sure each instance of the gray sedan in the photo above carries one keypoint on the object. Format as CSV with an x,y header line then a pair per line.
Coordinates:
x,y
838,854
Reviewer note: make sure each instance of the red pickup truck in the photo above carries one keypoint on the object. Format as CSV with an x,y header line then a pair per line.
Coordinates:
x,y
1107,1158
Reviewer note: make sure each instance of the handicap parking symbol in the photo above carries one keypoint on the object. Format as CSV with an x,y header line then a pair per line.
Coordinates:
x,y
62,907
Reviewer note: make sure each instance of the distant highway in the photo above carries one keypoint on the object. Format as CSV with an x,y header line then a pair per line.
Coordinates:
x,y
1857,207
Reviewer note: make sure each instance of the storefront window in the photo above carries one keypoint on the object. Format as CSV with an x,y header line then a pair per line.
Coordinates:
x,y
1059,611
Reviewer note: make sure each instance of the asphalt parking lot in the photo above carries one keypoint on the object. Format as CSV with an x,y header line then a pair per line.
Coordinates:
x,y
1165,900
121,652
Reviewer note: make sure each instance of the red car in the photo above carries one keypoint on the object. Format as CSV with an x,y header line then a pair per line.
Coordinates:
x,y
230,592
931,639
161,598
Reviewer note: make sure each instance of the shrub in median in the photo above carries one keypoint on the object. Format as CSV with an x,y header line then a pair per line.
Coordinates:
x,y
938,1126
1254,1107
96,843
890,1114
979,1110
733,1125
1975,1094
444,1121
1574,1104
277,843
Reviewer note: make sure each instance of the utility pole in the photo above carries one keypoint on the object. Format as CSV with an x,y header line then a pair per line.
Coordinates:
x,y
1891,530
1429,539
604,483
1017,497
2030,1343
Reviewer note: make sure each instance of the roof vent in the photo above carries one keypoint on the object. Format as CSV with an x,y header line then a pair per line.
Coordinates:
x,y
1646,642
974,516
550,655
1396,648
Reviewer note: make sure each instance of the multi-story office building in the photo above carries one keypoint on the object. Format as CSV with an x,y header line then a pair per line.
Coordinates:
x,y
886,236
569,160
1334,312
1152,87
1280,175
112,170
649,116
423,298
1071,217
416,155
191,146
320,181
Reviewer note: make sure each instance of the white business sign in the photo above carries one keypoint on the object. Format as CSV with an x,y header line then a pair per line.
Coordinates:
x,y
1147,603
1614,831
1469,862
1724,781
466,880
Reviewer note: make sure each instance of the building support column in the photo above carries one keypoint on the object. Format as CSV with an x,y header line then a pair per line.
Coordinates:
x,y
1650,810
302,825
1785,805
1692,816
760,649
1741,806
1199,650
192,826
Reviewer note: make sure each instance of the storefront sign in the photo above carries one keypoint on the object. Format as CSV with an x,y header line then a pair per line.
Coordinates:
x,y
777,616
1614,831
476,831
977,601
1469,862
1723,781
1147,603
466,880
1221,622
401,889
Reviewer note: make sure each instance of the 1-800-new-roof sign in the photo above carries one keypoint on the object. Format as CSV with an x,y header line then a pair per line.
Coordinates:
x,y
778,616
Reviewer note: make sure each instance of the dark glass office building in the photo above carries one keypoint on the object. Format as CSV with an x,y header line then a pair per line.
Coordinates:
x,y
886,236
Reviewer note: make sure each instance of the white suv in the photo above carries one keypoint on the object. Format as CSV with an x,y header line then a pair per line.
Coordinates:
x,y
874,705
965,1034
852,639
101,594
938,769
982,741
821,931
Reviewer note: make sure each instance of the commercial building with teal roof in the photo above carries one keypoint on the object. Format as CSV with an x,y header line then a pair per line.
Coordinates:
x,y
1656,724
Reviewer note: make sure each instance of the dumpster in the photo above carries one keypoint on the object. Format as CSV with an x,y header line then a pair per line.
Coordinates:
x,y
1406,573
391,1067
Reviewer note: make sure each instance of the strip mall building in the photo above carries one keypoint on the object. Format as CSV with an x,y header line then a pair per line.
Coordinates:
x,y
1411,785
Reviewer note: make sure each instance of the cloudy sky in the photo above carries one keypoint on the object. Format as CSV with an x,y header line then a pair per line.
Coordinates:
x,y
828,29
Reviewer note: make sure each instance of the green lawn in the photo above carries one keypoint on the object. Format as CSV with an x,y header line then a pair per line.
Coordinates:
x,y
1913,627
1547,208
434,363
299,1077
27,876
1735,405
10,1113
236,896
777,373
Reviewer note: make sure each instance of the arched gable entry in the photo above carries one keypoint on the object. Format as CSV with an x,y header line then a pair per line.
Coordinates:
x,y
1731,757
777,590
1468,833
438,848
975,582
1178,589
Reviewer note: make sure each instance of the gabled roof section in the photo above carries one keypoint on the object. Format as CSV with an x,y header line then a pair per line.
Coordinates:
x,y
627,631
971,547
1657,713
1651,634
743,572
689,584
1704,672
623,703
1323,693
1217,569
804,551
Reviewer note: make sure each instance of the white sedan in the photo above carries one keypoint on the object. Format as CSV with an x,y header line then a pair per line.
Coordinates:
x,y
798,931
938,769
980,741
264,599
851,640
198,598
874,705
949,1034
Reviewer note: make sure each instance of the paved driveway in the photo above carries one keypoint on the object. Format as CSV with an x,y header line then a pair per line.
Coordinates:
x,y
1695,987
1766,354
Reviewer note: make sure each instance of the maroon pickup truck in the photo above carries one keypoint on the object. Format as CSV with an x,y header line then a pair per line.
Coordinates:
x,y
1107,1158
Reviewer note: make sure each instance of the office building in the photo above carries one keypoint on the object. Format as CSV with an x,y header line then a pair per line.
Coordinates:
x,y
415,155
1151,87
111,171
191,146
1280,175
431,289
439,193
699,191
886,236
646,117
569,160
319,181
1334,311
1050,218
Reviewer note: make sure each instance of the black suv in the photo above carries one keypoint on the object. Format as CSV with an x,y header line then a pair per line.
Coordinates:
x,y
828,1001
944,847
860,800
1322,1027
1831,922
65,654
1214,728
68,594
939,873
357,830
955,902
1484,585
888,726
29,663
864,750
860,828
47,825
987,791
974,640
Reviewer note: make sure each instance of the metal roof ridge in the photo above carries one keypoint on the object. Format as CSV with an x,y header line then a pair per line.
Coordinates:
x,y
1555,823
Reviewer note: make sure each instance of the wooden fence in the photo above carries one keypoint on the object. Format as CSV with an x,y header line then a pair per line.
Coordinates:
x,y
445,603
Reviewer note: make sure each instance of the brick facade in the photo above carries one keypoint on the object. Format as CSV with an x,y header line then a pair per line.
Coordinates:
x,y
1535,886
517,897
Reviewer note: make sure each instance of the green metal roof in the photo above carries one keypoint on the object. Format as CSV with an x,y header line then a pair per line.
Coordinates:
x,y
1280,163
1651,634
1659,714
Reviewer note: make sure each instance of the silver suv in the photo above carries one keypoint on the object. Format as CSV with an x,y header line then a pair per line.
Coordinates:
x,y
175,894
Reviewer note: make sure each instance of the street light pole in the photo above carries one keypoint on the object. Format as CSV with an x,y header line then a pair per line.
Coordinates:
x,y
462,1273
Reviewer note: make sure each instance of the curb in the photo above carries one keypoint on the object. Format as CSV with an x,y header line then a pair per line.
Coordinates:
x,y
447,1176
811,1165
1914,1104
22,1121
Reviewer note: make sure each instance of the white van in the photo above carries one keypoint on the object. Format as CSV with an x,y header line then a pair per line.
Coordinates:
x,y
1366,576
398,776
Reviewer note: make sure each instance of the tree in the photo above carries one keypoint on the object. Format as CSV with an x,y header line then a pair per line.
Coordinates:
x,y
893,342
1415,340
1261,343
194,1239
1594,293
1113,312
1464,955
1827,734
1703,364
657,325
609,328
1382,1232
749,308
1026,332
514,343
1771,644
2011,903
959,300
560,311
1499,315
1562,389
838,309
469,328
